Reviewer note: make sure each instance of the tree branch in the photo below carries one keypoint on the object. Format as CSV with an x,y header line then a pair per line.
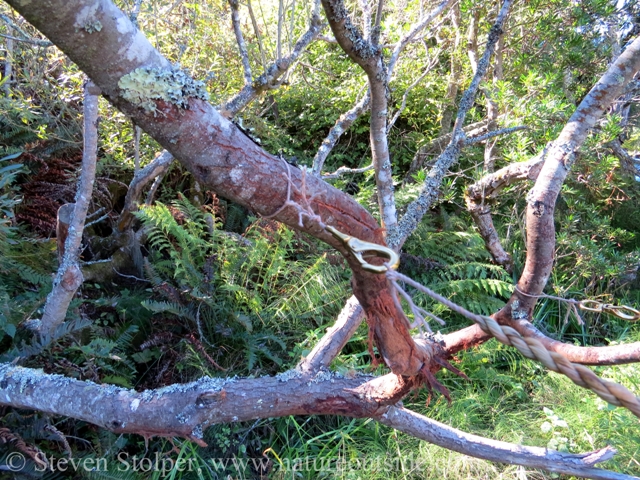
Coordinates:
x,y
437,145
344,170
609,355
69,276
335,339
439,434
560,157
342,125
270,77
244,55
223,158
159,166
481,194
348,118
417,209
369,57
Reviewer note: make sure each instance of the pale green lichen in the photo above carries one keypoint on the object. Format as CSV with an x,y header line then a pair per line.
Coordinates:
x,y
289,375
91,27
144,86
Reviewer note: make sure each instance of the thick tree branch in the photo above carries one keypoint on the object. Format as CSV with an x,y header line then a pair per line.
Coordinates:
x,y
560,157
219,155
610,355
69,276
186,410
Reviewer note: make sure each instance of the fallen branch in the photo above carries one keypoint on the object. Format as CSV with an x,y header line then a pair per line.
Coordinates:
x,y
185,410
442,435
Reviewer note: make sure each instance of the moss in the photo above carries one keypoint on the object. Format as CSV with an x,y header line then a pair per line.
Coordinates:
x,y
144,86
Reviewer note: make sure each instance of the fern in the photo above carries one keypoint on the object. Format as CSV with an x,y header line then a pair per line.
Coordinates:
x,y
466,275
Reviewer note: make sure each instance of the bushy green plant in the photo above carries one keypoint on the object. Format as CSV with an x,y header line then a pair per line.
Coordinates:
x,y
250,294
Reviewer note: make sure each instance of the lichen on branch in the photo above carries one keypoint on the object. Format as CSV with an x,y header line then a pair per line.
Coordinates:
x,y
144,86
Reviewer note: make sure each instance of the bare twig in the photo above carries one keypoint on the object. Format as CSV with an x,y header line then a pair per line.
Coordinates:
x,y
153,170
344,170
403,105
270,77
494,133
24,36
244,55
342,125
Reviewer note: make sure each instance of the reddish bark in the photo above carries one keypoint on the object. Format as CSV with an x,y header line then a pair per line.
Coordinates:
x,y
219,155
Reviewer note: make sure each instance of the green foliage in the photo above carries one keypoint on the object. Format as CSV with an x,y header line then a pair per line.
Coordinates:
x,y
251,294
465,274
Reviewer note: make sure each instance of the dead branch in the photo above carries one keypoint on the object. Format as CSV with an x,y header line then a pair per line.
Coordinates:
x,y
492,134
342,125
437,433
69,276
186,410
436,146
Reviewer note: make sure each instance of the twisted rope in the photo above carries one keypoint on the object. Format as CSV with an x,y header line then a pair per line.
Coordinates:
x,y
611,392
